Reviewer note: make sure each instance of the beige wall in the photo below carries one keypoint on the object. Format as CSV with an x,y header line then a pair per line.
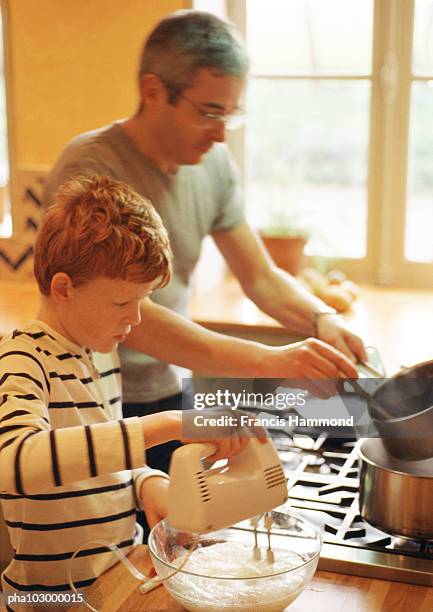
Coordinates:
x,y
73,65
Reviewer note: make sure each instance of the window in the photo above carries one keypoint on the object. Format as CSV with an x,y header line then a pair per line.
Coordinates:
x,y
308,109
339,128
419,213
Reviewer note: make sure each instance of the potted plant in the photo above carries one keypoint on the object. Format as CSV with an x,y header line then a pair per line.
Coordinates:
x,y
285,237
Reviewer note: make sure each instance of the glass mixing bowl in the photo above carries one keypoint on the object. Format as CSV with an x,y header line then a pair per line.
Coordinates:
x,y
222,574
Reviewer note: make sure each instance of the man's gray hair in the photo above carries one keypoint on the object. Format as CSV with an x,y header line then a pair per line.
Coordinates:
x,y
186,41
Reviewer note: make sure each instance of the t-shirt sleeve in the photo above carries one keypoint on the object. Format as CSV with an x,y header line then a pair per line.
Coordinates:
x,y
34,457
228,190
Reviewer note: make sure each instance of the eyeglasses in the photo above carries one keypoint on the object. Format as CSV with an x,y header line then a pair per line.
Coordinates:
x,y
231,122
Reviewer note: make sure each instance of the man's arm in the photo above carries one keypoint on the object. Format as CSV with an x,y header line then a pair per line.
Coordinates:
x,y
280,295
170,337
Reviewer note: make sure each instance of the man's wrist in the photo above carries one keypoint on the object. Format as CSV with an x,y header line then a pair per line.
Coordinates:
x,y
317,314
264,364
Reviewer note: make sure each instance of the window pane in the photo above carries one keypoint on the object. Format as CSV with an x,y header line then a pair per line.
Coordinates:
x,y
310,36
306,144
423,38
217,7
419,216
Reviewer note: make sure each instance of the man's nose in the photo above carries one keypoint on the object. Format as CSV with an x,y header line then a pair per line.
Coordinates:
x,y
218,131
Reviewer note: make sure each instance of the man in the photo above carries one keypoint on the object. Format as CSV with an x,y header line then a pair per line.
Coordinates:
x,y
192,73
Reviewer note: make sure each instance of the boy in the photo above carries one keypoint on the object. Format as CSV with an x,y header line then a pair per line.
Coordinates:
x,y
71,470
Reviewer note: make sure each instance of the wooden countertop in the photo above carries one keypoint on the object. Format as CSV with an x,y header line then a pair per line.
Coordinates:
x,y
327,592
399,322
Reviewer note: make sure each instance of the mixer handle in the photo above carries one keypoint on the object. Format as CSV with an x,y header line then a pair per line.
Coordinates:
x,y
193,453
256,452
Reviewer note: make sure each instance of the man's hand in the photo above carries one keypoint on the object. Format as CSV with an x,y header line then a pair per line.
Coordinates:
x,y
315,365
332,329
153,496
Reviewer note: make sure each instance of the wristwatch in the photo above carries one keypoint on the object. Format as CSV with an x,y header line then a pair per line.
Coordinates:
x,y
320,313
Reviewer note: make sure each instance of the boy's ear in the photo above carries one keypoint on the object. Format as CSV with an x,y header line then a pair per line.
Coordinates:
x,y
61,286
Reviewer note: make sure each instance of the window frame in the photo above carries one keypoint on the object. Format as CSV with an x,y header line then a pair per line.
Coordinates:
x,y
391,81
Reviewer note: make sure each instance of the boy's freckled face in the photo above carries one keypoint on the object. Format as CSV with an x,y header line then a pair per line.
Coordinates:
x,y
100,313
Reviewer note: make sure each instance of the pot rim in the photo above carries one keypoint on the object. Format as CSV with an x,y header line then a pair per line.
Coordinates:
x,y
404,418
377,465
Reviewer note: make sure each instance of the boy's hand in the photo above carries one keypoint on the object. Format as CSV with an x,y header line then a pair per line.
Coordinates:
x,y
224,447
153,496
228,440
179,425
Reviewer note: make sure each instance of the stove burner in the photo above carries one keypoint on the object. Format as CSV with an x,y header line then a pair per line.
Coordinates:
x,y
323,483
424,547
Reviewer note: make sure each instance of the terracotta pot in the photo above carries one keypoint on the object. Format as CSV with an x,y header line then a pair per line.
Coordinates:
x,y
287,252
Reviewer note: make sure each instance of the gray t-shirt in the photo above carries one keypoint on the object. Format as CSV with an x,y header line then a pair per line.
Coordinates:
x,y
193,202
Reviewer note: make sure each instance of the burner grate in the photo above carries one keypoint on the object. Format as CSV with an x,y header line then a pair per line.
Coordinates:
x,y
323,488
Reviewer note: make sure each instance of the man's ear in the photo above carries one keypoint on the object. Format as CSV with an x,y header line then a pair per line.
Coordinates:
x,y
153,91
61,286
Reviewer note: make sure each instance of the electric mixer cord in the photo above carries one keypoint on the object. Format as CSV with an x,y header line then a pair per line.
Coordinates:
x,y
147,584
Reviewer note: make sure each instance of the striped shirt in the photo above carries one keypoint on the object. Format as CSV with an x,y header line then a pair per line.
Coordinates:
x,y
70,467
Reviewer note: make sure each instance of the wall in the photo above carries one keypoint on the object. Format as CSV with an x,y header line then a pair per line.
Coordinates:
x,y
72,67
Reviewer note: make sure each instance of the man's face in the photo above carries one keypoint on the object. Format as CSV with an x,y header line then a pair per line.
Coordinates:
x,y
185,134
100,313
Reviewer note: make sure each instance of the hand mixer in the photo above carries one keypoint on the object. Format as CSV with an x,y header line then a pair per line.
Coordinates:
x,y
204,499
250,484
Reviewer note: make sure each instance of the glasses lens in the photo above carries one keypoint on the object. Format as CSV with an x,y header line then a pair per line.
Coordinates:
x,y
233,122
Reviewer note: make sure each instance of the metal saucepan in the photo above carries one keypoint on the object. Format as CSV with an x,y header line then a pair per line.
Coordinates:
x,y
395,496
406,421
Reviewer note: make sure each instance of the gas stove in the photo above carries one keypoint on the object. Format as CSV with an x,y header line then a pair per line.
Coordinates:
x,y
322,473
322,478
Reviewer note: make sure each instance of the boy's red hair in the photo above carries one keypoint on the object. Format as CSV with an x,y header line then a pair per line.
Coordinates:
x,y
98,227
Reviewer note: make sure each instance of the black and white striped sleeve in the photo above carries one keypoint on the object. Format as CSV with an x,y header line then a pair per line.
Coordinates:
x,y
34,457
24,396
